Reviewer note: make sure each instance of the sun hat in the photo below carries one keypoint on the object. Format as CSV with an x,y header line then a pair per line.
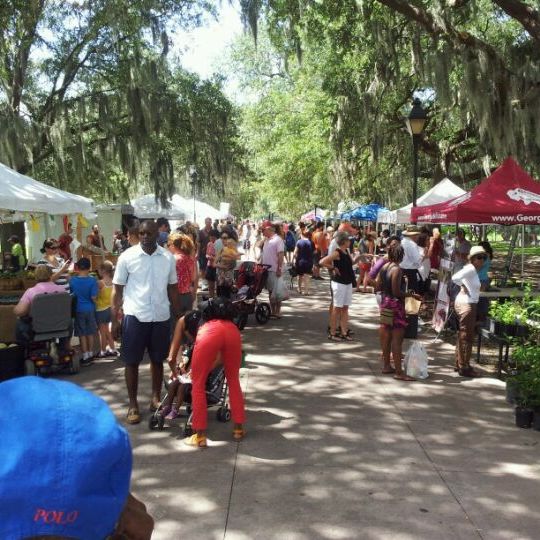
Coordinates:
x,y
66,462
477,250
412,230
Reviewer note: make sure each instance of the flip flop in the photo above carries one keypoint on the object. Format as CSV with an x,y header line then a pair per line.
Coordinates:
x,y
404,378
153,407
133,416
238,434
388,371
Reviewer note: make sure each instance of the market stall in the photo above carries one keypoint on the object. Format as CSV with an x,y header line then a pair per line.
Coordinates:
x,y
366,212
508,197
441,192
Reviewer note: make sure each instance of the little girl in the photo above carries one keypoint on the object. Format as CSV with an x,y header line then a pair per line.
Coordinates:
x,y
225,264
185,333
103,309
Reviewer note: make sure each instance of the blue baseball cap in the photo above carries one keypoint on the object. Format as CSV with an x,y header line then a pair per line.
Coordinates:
x,y
66,462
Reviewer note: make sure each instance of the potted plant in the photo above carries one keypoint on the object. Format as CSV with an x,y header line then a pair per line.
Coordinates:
x,y
29,279
10,281
526,383
508,319
524,412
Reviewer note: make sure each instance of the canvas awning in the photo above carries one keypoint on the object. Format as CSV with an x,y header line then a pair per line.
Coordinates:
x,y
508,197
146,207
443,191
20,193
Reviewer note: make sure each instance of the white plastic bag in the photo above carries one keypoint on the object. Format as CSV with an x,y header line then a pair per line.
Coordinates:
x,y
279,293
416,361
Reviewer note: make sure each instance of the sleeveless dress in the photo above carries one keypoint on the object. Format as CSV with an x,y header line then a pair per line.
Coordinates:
x,y
304,258
389,301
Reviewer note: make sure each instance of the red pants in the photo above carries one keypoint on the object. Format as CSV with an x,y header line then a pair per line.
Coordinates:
x,y
215,337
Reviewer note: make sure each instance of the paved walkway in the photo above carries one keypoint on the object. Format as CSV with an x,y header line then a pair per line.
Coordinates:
x,y
337,451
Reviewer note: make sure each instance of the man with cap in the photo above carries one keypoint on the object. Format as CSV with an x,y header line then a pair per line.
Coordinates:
x,y
413,257
66,466
465,305
273,254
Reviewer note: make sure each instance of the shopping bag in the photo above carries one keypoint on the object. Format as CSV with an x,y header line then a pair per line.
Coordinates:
x,y
412,305
279,293
416,361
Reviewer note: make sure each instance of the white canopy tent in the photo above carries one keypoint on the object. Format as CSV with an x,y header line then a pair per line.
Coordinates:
x,y
443,191
20,193
146,207
202,209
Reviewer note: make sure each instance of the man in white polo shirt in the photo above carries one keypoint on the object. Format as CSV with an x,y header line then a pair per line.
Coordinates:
x,y
412,258
272,255
145,285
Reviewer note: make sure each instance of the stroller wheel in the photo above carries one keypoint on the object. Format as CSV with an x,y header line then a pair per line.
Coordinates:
x,y
240,320
160,422
187,432
153,422
262,313
223,414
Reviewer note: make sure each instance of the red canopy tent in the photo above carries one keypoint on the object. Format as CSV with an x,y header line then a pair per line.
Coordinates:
x,y
508,197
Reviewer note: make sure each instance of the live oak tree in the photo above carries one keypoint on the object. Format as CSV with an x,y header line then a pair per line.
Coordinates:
x,y
475,64
90,102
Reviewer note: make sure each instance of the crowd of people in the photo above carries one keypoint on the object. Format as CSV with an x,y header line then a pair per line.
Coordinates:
x,y
152,296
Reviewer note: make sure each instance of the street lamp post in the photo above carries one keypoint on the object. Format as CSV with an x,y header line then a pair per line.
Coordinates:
x,y
193,175
415,125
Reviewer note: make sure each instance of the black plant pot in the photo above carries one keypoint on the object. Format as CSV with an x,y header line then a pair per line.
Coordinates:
x,y
536,420
512,391
524,417
518,330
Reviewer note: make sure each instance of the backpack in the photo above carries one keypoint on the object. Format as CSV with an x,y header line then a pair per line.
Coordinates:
x,y
289,240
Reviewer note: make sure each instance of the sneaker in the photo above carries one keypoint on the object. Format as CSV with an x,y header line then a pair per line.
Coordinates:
x,y
110,352
102,354
172,415
87,361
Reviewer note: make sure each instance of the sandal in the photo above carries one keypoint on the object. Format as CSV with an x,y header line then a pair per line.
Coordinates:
x,y
403,377
153,406
199,441
334,337
133,416
346,337
238,434
388,371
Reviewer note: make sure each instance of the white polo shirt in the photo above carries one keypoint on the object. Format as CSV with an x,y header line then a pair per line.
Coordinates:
x,y
145,279
412,257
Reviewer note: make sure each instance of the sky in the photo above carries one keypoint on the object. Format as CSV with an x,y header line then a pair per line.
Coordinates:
x,y
200,49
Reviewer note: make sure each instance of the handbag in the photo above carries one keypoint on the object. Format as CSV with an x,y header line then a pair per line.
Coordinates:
x,y
387,316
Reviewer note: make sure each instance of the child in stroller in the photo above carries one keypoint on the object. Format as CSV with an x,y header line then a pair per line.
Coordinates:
x,y
249,284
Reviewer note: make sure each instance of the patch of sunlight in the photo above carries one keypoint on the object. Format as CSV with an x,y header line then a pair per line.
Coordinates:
x,y
334,449
517,469
333,532
199,504
278,462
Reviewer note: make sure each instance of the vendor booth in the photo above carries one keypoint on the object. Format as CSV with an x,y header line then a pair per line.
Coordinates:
x,y
441,192
366,212
317,214
508,197
146,207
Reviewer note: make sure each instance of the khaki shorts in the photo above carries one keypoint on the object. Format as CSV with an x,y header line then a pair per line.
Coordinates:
x,y
271,281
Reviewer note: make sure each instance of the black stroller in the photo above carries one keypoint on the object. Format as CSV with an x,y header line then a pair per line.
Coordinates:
x,y
216,395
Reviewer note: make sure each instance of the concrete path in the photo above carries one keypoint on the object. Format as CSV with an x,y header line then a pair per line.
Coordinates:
x,y
335,450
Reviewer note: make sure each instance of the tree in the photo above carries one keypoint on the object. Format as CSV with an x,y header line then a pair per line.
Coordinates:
x,y
90,102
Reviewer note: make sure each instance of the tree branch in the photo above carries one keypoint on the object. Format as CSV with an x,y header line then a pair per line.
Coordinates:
x,y
524,14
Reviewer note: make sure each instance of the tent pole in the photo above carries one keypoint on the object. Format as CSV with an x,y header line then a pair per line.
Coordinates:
x,y
522,250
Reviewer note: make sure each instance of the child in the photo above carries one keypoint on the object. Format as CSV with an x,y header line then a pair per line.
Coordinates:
x,y
85,289
225,264
211,264
184,332
103,309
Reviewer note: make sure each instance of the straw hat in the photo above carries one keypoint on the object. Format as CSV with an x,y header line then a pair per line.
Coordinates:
x,y
476,250
412,230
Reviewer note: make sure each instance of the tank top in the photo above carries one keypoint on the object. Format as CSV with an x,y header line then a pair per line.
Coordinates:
x,y
345,267
103,300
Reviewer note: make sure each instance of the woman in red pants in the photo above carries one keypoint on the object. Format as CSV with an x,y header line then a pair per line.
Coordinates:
x,y
217,338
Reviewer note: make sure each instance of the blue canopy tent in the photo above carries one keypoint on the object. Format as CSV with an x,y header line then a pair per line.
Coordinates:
x,y
366,212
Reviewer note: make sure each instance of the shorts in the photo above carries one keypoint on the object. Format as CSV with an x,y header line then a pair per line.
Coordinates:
x,y
271,281
398,308
342,294
186,302
316,258
137,337
103,316
203,263
365,267
210,273
85,323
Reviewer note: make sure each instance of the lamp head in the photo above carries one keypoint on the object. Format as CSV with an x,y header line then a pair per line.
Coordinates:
x,y
417,118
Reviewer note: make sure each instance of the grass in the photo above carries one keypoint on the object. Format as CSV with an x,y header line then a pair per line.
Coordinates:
x,y
502,247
